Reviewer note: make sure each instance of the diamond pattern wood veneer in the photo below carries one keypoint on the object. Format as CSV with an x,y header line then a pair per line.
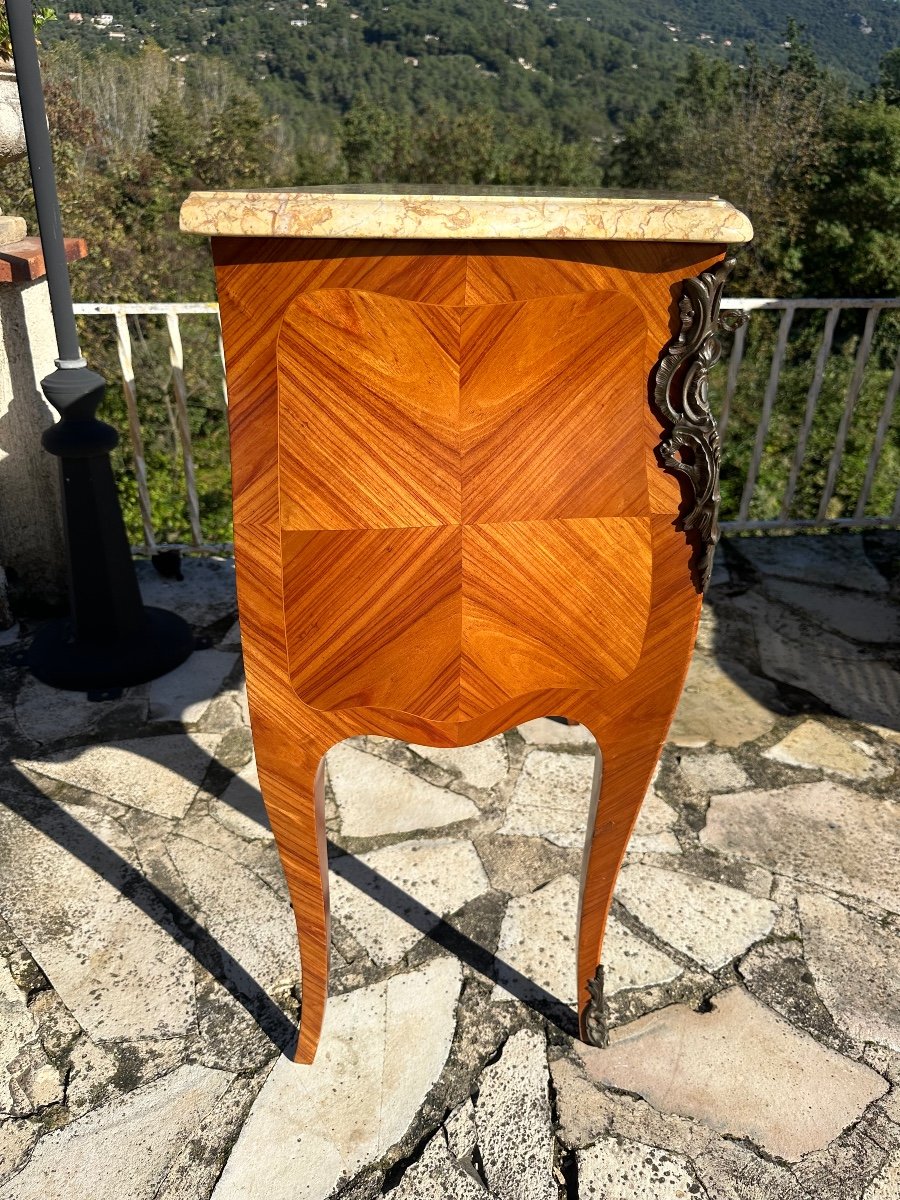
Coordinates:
x,y
450,518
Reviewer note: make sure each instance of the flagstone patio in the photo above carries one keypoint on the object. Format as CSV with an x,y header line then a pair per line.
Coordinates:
x,y
149,978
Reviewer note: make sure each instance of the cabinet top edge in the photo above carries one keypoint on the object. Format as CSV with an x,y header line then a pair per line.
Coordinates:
x,y
465,213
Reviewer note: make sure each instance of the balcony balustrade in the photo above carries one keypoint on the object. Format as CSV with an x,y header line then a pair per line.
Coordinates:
x,y
803,391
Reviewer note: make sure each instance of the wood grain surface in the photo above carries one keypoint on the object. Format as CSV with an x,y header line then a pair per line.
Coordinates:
x,y
450,518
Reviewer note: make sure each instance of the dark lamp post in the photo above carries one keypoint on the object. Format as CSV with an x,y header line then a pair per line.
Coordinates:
x,y
110,640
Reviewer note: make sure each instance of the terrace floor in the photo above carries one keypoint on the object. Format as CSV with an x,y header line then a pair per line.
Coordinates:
x,y
148,972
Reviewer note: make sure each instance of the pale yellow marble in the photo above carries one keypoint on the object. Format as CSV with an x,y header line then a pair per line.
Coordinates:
x,y
465,213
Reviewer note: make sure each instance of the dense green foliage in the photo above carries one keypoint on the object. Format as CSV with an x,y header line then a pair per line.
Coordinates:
x,y
590,59
812,155
818,170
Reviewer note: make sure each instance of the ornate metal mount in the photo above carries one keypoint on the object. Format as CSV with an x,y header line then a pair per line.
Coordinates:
x,y
594,1015
691,446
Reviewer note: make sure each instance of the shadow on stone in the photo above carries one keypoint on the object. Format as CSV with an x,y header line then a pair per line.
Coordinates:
x,y
53,821
438,930
814,615
31,805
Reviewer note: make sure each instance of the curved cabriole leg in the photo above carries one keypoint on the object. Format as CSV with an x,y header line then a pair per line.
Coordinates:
x,y
627,754
630,722
633,719
291,778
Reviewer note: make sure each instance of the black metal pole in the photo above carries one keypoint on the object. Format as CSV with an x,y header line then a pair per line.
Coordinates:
x,y
111,640
43,178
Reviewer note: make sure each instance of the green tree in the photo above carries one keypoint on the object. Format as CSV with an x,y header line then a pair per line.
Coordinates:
x,y
374,143
851,234
889,76
754,135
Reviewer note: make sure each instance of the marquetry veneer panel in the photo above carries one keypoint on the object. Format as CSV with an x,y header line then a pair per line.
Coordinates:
x,y
450,518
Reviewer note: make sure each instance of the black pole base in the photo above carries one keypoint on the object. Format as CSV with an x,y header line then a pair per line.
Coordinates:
x,y
57,658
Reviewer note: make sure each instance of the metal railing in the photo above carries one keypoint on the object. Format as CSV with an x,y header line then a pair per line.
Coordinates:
x,y
172,313
735,518
833,308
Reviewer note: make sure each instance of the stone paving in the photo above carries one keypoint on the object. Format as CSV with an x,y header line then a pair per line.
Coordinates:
x,y
149,978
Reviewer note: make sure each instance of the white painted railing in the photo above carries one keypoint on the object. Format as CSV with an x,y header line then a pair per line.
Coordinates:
x,y
119,313
118,317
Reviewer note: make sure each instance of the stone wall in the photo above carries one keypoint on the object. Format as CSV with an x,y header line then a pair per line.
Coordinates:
x,y
31,536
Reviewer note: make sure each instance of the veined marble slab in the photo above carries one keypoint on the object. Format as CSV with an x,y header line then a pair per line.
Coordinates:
x,y
407,212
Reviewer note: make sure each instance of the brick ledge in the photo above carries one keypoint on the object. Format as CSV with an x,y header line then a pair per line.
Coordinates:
x,y
23,261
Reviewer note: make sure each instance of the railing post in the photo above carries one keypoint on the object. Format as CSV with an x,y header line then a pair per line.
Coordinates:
x,y
126,366
762,429
859,367
182,423
812,400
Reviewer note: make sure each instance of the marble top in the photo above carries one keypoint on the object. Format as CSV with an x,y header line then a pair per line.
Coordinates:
x,y
430,212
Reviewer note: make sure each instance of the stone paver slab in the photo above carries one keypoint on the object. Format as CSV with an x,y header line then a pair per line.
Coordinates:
x,y
861,618
551,798
196,1170
710,922
512,1117
854,962
654,831
44,713
722,703
720,573
730,1171
848,678
462,1135
116,963
16,1141
159,774
123,1150
886,1184
518,865
741,1070
544,732
713,772
390,898
629,962
247,918
375,797
240,808
315,1126
889,735
482,766
537,942
815,746
436,1176
28,1080
586,1112
839,562
232,639
186,693
824,833
616,1169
